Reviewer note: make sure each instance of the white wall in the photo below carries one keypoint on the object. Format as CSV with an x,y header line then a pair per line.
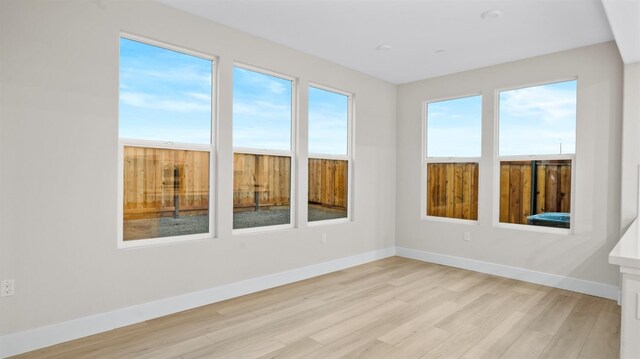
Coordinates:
x,y
630,143
58,148
597,196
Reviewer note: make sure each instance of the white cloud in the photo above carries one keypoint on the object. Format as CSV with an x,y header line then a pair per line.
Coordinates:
x,y
144,100
261,110
276,87
181,74
199,96
541,102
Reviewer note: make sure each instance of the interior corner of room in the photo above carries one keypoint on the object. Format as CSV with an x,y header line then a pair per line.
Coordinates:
x,y
320,179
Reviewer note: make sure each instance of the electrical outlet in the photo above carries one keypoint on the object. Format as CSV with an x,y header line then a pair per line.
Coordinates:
x,y
7,288
323,240
466,236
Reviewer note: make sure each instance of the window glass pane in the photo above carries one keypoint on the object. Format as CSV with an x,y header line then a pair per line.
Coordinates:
x,y
328,186
166,192
452,190
454,127
536,193
328,122
261,110
164,95
538,120
261,190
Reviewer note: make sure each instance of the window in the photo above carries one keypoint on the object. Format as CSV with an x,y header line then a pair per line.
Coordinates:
x,y
453,150
165,147
329,154
263,155
536,153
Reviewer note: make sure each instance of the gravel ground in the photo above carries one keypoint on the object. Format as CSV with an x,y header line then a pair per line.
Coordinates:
x,y
280,215
169,226
319,213
165,227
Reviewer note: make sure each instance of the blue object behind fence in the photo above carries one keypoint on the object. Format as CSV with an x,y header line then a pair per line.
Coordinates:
x,y
550,219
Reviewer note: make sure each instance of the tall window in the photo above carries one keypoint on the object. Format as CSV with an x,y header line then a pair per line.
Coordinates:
x,y
263,155
165,116
537,142
329,154
453,149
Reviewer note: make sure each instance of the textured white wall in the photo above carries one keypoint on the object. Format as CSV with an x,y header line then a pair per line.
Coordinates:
x,y
630,143
58,148
597,197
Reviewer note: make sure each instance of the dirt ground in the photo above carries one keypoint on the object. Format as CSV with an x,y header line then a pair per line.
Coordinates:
x,y
165,227
246,218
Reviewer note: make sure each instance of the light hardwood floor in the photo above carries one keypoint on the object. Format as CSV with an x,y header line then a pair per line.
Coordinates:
x,y
392,308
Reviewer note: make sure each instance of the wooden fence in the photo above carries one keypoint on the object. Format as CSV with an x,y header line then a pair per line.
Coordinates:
x,y
532,187
266,179
328,182
269,177
156,179
452,190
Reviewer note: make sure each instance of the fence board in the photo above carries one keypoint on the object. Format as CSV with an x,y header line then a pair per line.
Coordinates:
x,y
552,192
149,182
452,190
268,175
328,182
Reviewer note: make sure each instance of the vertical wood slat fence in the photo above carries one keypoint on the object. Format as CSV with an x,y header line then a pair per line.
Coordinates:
x,y
155,178
550,182
452,190
268,176
328,182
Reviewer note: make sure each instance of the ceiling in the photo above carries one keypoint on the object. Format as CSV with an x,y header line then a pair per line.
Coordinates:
x,y
348,32
624,17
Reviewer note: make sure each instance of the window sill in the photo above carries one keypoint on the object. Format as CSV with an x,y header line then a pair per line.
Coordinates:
x,y
327,222
155,242
533,228
450,220
263,229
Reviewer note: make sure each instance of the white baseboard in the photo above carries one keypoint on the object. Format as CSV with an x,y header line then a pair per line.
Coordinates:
x,y
552,280
21,342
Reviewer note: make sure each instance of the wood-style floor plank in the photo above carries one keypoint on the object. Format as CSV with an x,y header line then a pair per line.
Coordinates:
x,y
392,308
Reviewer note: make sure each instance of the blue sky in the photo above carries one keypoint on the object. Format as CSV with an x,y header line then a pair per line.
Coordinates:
x,y
164,95
532,121
328,121
261,110
454,127
537,120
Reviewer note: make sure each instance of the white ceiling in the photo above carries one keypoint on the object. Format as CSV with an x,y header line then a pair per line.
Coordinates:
x,y
624,17
347,32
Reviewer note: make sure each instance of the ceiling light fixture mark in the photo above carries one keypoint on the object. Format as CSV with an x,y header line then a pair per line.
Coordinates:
x,y
491,14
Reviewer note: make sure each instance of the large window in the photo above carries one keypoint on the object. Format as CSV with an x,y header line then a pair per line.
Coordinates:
x,y
536,153
329,154
451,159
263,155
165,146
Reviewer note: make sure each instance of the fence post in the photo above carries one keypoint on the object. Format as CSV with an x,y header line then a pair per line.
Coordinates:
x,y
176,192
534,188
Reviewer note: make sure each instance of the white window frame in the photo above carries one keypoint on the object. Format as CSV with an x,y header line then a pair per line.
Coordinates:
x,y
348,157
498,159
170,145
426,160
269,152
